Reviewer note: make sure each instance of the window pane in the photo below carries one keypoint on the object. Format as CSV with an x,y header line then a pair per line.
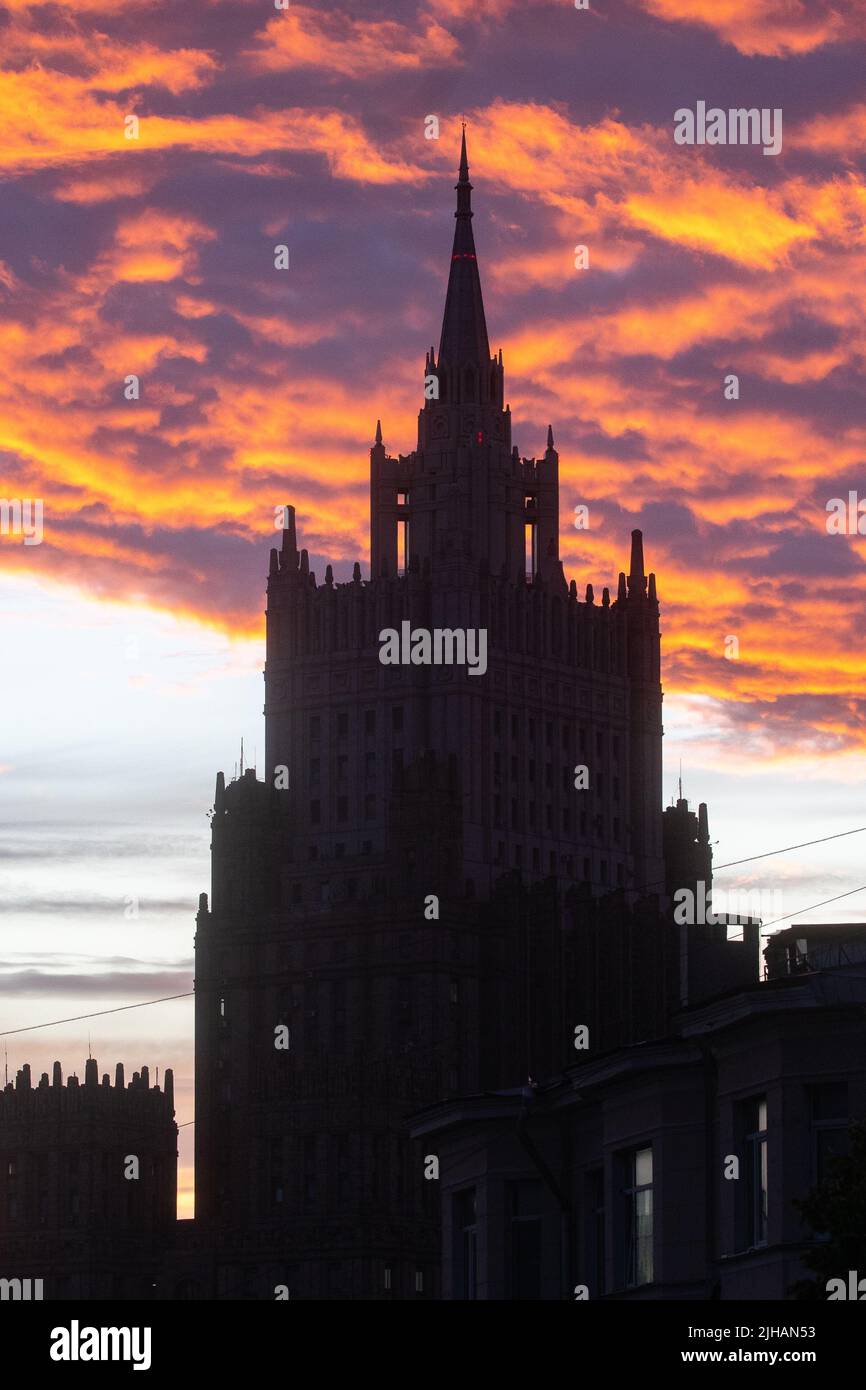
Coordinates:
x,y
830,1101
644,1232
643,1167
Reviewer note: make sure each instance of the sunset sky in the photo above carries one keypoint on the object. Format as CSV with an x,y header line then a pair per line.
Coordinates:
x,y
133,634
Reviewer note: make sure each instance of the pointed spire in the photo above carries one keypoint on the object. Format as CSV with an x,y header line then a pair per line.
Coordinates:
x,y
550,436
289,549
378,431
636,574
464,339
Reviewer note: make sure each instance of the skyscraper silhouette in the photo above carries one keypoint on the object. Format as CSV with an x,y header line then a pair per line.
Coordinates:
x,y
425,894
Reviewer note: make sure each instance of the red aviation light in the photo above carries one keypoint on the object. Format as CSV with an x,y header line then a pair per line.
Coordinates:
x,y
479,438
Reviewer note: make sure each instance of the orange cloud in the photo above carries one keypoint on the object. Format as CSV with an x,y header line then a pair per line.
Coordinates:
x,y
771,28
343,46
840,133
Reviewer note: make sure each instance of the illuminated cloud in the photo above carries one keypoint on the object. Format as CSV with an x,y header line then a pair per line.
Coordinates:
x,y
341,46
770,28
258,389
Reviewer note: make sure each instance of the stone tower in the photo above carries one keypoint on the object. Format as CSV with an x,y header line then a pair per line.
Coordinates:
x,y
390,902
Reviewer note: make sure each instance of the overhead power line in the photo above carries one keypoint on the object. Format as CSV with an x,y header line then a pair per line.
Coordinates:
x,y
55,1022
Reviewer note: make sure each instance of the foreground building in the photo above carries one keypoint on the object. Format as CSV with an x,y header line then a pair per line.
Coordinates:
x,y
668,1169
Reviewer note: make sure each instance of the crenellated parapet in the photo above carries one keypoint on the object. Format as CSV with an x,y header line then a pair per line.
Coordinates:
x,y
51,1098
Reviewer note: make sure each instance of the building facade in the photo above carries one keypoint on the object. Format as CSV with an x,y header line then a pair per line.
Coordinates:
x,y
666,1170
88,1183
449,864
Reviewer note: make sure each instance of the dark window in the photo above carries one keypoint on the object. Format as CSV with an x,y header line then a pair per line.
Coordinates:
x,y
315,812
636,1266
397,719
465,1245
525,1240
369,722
594,1229
755,1184
342,808
830,1126
342,723
314,772
315,726
369,806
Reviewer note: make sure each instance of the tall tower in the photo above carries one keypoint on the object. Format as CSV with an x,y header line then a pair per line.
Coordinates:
x,y
391,896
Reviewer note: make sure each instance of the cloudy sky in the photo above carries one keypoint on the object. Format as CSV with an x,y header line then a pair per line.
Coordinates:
x,y
132,634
